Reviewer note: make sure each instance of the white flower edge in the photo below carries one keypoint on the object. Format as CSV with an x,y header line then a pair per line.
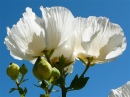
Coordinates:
x,y
58,23
100,39
25,40
123,91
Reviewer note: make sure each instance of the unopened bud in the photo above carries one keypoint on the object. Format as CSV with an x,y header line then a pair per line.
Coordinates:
x,y
13,71
42,69
55,73
23,69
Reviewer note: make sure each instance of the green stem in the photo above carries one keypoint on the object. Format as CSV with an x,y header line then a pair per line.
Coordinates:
x,y
64,91
51,87
63,88
85,70
21,79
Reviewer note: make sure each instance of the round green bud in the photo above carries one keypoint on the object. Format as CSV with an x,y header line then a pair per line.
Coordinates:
x,y
55,73
42,69
23,69
13,71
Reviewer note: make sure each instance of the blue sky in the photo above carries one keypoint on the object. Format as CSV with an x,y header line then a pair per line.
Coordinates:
x,y
103,77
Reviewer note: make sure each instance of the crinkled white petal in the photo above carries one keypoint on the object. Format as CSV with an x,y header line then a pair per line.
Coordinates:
x,y
123,91
25,40
102,39
58,23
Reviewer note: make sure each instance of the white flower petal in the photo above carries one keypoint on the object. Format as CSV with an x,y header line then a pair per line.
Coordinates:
x,y
123,91
58,23
102,39
26,39
66,50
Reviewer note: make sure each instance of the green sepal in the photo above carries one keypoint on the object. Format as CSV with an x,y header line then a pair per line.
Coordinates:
x,y
13,89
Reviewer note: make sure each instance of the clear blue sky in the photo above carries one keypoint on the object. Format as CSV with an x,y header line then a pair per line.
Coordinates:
x,y
103,77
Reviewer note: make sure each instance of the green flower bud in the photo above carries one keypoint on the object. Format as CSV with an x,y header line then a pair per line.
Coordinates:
x,y
13,71
23,69
55,73
42,69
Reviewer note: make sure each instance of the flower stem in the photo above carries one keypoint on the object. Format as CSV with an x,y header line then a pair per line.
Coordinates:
x,y
64,91
85,70
63,87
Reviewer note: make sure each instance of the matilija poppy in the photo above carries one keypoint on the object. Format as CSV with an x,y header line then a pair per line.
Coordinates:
x,y
32,35
100,39
123,91
25,40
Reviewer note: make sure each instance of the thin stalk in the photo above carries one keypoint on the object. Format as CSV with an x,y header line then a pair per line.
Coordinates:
x,y
85,70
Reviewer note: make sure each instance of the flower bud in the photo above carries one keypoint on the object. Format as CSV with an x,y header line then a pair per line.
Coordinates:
x,y
13,71
55,73
42,69
23,69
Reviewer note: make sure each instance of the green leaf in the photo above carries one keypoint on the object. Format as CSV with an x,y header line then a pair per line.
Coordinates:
x,y
25,91
78,83
21,91
24,80
74,81
82,82
12,89
37,85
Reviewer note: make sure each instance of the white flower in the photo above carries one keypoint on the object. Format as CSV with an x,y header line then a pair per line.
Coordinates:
x,y
100,39
123,91
32,35
58,23
26,39
66,50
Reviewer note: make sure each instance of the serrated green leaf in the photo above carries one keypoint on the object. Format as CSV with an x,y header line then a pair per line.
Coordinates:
x,y
12,89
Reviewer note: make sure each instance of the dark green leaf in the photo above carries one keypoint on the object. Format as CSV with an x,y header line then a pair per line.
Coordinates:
x,y
21,91
37,85
25,91
12,89
74,81
82,82
24,80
